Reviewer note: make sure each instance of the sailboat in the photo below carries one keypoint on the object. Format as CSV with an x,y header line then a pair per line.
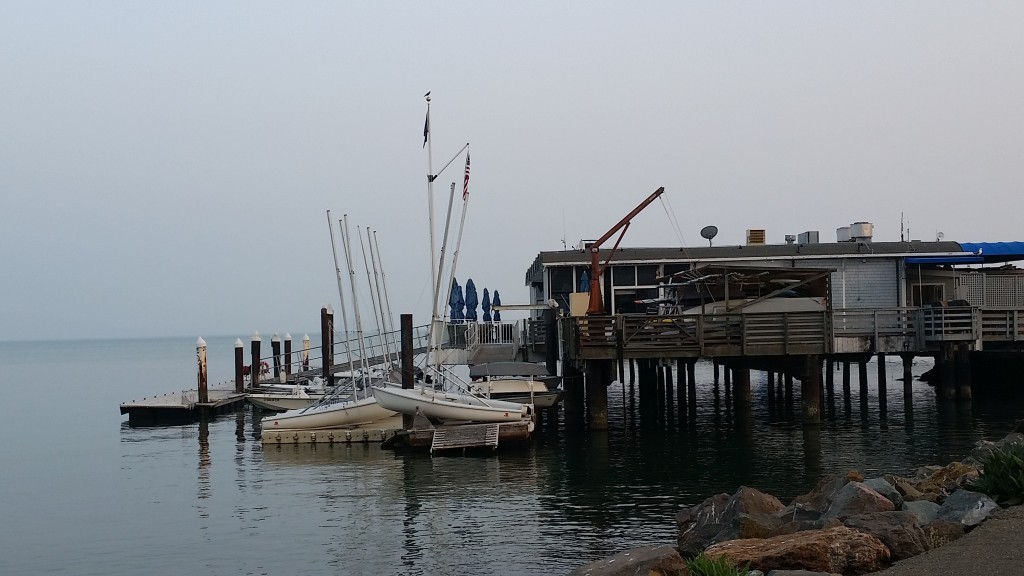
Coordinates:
x,y
351,403
450,400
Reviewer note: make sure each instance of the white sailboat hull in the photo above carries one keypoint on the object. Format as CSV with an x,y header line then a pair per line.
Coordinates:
x,y
445,406
341,414
280,402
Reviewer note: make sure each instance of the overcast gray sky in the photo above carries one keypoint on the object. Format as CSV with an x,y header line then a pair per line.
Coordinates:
x,y
166,166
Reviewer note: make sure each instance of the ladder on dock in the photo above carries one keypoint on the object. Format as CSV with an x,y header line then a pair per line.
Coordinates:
x,y
465,436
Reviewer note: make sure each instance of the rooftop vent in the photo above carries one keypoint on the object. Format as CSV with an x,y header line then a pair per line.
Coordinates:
x,y
843,234
755,237
861,231
790,239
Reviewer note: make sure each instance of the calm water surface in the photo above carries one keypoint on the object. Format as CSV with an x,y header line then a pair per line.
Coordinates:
x,y
84,493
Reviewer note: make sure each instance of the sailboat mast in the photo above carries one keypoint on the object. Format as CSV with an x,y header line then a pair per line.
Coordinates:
x,y
385,351
355,304
385,333
458,241
384,281
341,295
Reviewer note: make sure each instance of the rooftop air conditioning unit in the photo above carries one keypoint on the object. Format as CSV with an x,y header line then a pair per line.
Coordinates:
x,y
755,237
861,231
809,237
843,234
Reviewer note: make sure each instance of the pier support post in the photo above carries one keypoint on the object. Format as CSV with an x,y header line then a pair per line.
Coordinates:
x,y
810,389
598,377
742,387
327,343
275,349
287,355
254,367
408,375
963,371
908,385
632,370
239,366
572,383
717,380
551,341
862,374
305,353
946,388
691,384
204,393
789,390
883,390
728,388
769,383
669,393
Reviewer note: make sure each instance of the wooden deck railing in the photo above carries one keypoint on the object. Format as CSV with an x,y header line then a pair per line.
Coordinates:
x,y
888,330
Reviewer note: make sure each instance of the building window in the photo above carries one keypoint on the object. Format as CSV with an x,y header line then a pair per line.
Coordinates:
x,y
624,275
647,275
921,294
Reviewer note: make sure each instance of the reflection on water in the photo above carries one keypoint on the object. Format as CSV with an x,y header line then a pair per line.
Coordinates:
x,y
197,496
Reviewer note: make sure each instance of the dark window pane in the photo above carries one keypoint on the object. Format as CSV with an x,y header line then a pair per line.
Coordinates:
x,y
624,275
646,275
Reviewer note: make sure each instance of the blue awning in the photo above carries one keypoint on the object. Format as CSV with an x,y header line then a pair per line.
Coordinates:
x,y
936,260
995,251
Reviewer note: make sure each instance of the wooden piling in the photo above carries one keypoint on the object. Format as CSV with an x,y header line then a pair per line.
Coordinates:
x,y
254,367
327,343
551,341
810,390
669,392
742,388
963,372
908,385
598,377
408,375
946,361
862,374
691,384
287,354
883,400
204,391
275,350
769,383
239,366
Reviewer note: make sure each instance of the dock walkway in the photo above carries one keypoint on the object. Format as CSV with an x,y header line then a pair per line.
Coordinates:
x,y
180,407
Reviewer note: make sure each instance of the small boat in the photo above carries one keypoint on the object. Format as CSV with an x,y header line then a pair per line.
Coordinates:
x,y
450,406
346,407
522,382
280,401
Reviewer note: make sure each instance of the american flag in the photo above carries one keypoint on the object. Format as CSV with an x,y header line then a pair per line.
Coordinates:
x,y
465,181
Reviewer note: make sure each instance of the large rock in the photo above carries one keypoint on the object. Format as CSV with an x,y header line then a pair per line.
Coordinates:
x,y
984,448
821,495
926,512
967,508
941,532
948,479
900,531
837,550
885,488
856,498
724,517
661,560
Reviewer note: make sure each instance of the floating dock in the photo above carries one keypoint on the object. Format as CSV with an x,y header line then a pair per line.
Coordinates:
x,y
180,407
375,432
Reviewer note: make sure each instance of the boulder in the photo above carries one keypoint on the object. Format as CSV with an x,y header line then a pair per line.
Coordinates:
x,y
799,573
661,560
836,550
948,479
819,498
941,532
909,493
967,508
883,487
984,448
926,512
900,531
856,498
724,517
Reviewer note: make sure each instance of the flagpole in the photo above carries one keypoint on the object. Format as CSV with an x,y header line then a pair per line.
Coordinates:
x,y
430,205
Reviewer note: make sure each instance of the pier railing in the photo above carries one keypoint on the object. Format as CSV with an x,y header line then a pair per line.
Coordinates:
x,y
885,330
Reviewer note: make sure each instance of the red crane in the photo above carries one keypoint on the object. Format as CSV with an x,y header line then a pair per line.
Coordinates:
x,y
596,269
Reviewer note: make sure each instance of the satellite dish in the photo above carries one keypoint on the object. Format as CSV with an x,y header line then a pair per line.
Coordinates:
x,y
709,232
939,236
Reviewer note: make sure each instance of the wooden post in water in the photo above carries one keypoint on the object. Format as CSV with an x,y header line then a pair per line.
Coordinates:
x,y
728,388
742,385
550,341
669,392
275,349
963,371
810,390
408,375
327,343
862,374
769,384
239,366
287,355
254,367
632,370
691,383
908,385
946,362
305,353
204,393
598,377
883,400
789,390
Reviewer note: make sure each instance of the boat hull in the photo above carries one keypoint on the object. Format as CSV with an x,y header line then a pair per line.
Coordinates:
x,y
340,414
444,407
282,402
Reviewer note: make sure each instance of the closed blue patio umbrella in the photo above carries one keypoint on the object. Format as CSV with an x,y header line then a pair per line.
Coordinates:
x,y
456,302
496,302
584,284
485,305
471,301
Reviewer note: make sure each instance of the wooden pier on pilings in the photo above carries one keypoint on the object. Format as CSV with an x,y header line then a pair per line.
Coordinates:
x,y
791,345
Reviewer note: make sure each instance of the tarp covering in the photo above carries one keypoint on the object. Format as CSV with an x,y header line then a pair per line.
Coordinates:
x,y
508,369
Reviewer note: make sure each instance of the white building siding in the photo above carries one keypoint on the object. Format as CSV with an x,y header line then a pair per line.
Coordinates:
x,y
867,283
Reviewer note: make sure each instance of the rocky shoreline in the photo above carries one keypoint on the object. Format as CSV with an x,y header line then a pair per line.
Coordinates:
x,y
848,524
